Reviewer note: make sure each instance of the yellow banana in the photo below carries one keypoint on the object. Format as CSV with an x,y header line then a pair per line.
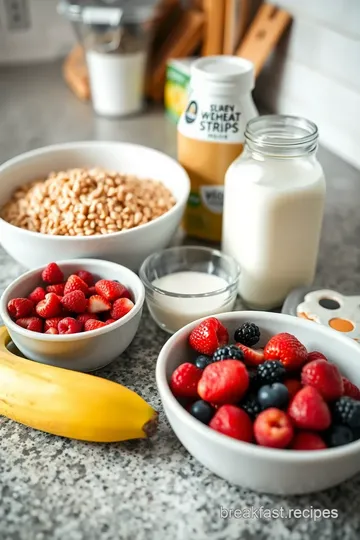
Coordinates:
x,y
68,403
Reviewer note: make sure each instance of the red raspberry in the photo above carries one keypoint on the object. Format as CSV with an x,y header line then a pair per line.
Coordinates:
x,y
224,382
31,323
53,331
74,283
75,302
293,387
252,357
233,422
308,410
20,307
98,304
86,317
86,276
57,289
273,428
93,324
315,355
50,307
52,274
69,326
111,290
208,336
52,323
306,440
325,377
350,389
121,307
286,348
184,381
37,295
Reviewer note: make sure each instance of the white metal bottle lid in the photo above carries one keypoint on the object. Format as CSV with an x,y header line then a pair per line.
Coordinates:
x,y
230,72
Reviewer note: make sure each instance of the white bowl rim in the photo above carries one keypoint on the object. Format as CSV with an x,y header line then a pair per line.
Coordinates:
x,y
233,444
83,144
38,336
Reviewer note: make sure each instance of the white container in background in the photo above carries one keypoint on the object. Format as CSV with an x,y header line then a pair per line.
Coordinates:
x,y
116,81
273,209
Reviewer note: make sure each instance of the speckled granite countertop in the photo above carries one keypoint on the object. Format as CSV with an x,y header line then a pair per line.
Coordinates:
x,y
52,488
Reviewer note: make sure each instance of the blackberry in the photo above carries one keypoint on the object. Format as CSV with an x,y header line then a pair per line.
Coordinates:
x,y
346,410
254,382
202,361
229,352
339,435
251,406
273,395
202,410
248,334
270,371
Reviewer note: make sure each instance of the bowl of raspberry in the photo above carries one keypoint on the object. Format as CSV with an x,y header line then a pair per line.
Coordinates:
x,y
264,400
79,314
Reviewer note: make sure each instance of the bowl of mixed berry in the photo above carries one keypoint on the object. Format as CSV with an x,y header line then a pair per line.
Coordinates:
x,y
265,400
79,314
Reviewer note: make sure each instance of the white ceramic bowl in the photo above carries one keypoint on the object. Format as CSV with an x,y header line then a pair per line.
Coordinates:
x,y
128,248
263,469
85,351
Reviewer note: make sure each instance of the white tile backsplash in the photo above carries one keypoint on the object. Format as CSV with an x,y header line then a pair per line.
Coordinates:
x,y
315,72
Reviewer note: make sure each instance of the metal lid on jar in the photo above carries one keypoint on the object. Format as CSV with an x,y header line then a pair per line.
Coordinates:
x,y
110,12
226,71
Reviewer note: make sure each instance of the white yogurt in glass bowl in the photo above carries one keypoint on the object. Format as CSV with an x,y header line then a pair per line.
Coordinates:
x,y
186,283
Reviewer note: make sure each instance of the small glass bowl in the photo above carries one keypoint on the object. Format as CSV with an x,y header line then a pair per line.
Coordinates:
x,y
172,310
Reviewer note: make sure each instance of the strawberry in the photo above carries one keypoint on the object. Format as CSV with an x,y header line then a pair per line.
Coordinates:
x,y
252,357
50,307
208,336
75,283
224,382
350,389
97,304
91,291
69,326
52,323
93,324
315,355
288,349
37,295
325,377
57,289
52,274
75,302
308,410
273,428
53,331
83,317
20,307
31,323
293,386
109,321
121,307
184,381
233,422
306,440
111,290
87,277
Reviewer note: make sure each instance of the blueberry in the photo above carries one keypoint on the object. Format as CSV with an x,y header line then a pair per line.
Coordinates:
x,y
202,410
273,395
202,361
339,435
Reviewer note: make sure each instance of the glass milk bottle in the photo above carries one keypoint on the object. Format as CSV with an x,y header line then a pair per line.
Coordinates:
x,y
211,136
273,209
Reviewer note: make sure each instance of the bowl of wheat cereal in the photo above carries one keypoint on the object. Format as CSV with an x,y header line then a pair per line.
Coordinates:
x,y
107,200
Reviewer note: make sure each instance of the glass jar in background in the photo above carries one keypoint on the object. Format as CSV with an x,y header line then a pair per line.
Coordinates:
x,y
273,209
211,136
